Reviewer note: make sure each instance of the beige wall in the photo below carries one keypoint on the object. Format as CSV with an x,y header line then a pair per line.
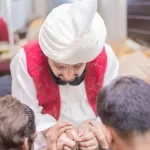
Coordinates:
x,y
40,7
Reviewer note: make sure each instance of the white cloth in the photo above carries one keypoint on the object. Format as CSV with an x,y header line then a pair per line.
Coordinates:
x,y
74,102
72,30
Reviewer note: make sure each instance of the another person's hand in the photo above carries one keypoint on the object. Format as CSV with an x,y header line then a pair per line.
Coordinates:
x,y
55,132
64,143
73,135
89,140
98,130
68,140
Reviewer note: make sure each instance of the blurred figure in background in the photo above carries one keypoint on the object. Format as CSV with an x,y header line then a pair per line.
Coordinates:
x,y
3,31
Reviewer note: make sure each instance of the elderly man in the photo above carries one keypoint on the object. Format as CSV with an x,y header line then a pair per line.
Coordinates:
x,y
59,75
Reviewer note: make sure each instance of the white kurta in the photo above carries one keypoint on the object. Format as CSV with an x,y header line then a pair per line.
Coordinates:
x,y
74,102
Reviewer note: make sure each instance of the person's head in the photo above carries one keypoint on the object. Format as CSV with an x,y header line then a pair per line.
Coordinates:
x,y
17,125
124,108
70,37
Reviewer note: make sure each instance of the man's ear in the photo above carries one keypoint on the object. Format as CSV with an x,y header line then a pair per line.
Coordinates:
x,y
25,144
108,134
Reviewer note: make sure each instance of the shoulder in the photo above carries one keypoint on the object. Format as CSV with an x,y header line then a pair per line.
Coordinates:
x,y
111,57
32,46
19,57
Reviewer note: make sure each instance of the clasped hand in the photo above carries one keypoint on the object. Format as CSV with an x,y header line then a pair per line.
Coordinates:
x,y
63,136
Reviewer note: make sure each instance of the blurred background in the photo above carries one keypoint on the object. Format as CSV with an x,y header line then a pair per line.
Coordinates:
x,y
127,22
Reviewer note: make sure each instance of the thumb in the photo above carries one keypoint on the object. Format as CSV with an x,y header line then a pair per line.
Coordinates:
x,y
100,135
76,137
80,132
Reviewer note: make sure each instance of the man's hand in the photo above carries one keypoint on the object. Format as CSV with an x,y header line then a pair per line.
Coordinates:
x,y
98,130
88,138
55,132
64,143
72,134
68,140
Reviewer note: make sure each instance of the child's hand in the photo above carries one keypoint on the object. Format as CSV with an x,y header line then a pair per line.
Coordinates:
x,y
54,133
98,130
89,140
68,140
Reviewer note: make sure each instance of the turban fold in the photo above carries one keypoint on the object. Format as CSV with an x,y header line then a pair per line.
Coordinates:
x,y
73,33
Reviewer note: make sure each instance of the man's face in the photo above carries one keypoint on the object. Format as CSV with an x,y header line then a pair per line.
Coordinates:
x,y
65,72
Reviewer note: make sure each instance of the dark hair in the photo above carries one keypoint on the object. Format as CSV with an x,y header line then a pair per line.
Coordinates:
x,y
17,122
125,105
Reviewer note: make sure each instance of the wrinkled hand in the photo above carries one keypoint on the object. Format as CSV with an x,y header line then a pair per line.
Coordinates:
x,y
98,130
89,140
55,132
68,140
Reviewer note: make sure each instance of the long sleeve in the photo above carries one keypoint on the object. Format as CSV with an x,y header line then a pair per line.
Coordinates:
x,y
24,90
112,65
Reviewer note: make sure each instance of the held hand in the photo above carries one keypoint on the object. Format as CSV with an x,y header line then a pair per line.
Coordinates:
x,y
88,138
72,134
68,140
98,130
55,132
65,143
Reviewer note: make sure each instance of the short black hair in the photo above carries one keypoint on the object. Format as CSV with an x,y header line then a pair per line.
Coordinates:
x,y
124,105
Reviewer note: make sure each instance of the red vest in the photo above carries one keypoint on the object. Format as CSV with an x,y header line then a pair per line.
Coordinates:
x,y
48,91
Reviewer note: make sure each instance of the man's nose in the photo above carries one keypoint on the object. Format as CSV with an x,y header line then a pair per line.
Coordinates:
x,y
69,74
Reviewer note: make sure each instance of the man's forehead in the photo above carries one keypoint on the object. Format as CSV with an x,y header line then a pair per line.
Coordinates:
x,y
61,64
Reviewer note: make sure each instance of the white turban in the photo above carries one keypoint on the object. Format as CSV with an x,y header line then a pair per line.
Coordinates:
x,y
73,33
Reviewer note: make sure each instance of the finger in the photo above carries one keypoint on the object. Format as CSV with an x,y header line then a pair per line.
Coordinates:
x,y
95,124
62,130
69,143
63,124
61,142
99,134
85,128
75,136
90,143
85,131
87,137
60,145
80,132
67,148
54,133
69,134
